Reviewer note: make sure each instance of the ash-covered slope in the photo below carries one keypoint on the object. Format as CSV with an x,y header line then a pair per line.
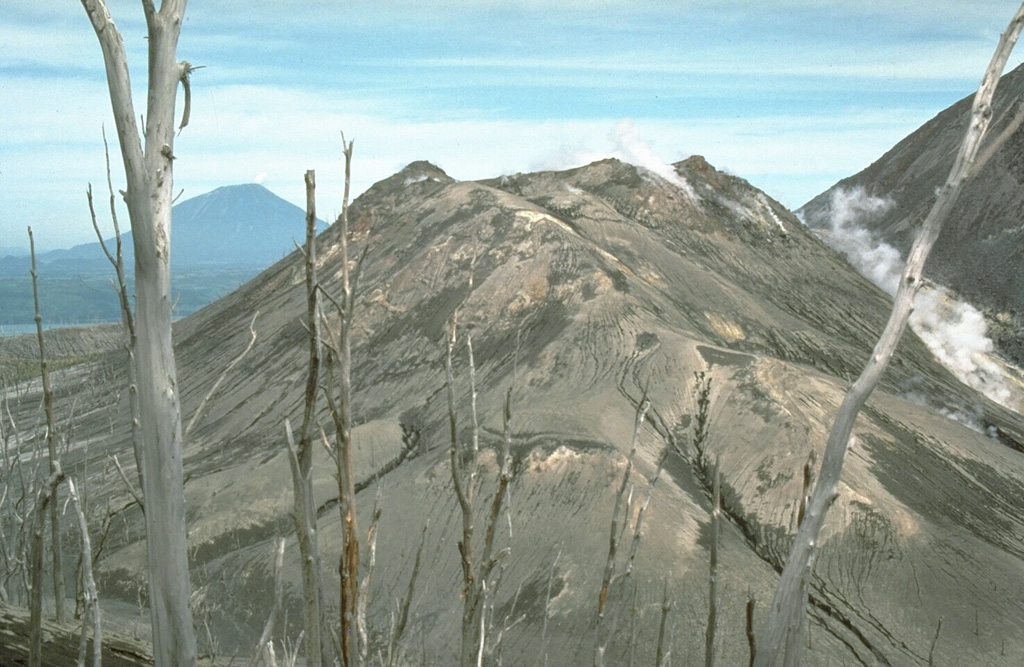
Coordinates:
x,y
980,252
590,288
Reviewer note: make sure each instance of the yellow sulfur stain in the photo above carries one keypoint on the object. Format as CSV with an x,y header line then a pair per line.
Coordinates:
x,y
725,327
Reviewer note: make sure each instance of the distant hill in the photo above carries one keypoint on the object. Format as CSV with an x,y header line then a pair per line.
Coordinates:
x,y
219,240
980,252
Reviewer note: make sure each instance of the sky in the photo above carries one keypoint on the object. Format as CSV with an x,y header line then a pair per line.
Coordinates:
x,y
792,95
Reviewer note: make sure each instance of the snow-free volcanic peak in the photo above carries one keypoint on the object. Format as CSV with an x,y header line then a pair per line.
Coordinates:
x,y
592,288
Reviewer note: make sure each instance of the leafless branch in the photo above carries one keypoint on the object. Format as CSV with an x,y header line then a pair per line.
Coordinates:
x,y
403,616
613,541
547,603
268,627
127,318
128,485
51,445
92,601
224,374
186,81
364,587
935,640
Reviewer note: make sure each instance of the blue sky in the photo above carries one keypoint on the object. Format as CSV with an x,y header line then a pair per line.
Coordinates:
x,y
790,95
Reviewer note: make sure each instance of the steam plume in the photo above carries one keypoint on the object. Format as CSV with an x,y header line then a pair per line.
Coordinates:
x,y
630,147
955,331
627,146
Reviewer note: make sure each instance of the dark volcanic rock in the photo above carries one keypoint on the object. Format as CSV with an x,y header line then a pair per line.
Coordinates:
x,y
590,288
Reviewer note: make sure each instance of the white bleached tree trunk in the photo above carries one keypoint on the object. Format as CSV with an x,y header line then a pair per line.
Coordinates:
x,y
148,171
786,614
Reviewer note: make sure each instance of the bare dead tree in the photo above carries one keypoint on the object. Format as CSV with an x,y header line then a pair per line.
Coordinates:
x,y
622,508
475,575
7,548
489,559
634,546
116,260
149,177
617,524
464,488
701,421
338,393
716,521
18,509
92,600
51,445
785,615
46,497
300,456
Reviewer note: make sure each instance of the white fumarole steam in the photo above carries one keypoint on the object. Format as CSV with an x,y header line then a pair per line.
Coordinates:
x,y
627,146
955,331
630,147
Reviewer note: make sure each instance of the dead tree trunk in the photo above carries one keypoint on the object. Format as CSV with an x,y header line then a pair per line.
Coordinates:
x,y
475,576
51,446
92,601
149,177
301,455
785,615
716,520
339,401
47,494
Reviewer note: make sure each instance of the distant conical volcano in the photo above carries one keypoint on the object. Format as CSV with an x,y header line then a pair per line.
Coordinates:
x,y
219,240
234,225
586,291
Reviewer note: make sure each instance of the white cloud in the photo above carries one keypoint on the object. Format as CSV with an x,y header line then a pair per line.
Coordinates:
x,y
54,148
55,98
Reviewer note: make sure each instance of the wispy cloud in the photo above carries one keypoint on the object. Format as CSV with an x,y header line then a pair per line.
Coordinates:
x,y
791,95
